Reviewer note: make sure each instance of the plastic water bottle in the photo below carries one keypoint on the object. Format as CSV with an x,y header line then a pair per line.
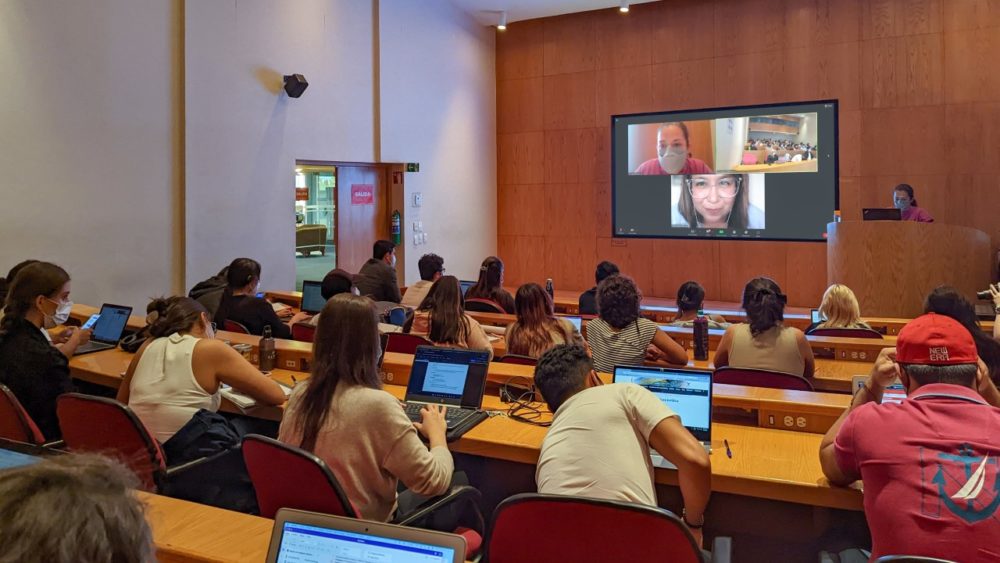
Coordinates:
x,y
701,337
266,351
550,289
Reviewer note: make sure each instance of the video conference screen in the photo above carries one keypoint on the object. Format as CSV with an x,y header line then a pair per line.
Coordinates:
x,y
755,172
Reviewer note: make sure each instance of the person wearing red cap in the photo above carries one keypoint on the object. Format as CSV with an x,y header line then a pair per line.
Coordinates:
x,y
930,465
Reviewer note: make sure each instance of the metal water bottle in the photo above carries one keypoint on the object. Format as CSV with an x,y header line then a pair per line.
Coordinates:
x,y
266,351
701,337
550,289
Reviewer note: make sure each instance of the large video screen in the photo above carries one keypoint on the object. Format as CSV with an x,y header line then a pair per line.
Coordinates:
x,y
755,172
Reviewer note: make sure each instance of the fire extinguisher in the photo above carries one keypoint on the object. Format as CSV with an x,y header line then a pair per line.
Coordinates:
x,y
394,228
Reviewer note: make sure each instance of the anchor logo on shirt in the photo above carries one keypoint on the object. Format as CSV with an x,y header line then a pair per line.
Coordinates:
x,y
963,502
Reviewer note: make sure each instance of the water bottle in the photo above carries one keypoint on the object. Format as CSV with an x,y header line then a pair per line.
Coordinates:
x,y
266,351
550,289
701,337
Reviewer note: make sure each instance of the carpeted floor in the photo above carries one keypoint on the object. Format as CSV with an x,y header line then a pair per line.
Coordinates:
x,y
314,267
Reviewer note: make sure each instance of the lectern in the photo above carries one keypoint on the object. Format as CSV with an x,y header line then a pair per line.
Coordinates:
x,y
892,265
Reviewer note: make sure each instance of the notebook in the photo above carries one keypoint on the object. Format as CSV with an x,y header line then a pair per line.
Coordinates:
x,y
300,536
453,377
687,392
312,297
108,329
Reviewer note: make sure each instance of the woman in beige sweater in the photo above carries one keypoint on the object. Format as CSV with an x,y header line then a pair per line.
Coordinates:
x,y
343,416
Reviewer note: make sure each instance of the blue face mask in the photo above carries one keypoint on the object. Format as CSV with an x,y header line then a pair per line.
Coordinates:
x,y
901,204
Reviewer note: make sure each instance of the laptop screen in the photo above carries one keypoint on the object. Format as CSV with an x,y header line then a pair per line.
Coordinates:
x,y
814,316
687,392
312,297
577,321
466,284
302,543
450,376
111,324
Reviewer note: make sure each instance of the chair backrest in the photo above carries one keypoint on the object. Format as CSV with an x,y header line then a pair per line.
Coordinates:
x,y
303,332
749,158
911,559
846,332
105,426
536,527
15,422
518,359
233,326
288,477
396,316
761,378
478,305
405,343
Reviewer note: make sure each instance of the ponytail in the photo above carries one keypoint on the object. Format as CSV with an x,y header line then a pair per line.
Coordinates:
x,y
764,304
170,315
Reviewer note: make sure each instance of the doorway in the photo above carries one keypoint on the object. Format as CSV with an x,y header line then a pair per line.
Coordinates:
x,y
315,221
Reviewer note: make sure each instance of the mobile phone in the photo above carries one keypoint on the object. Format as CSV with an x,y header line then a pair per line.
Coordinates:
x,y
814,316
894,393
91,321
260,294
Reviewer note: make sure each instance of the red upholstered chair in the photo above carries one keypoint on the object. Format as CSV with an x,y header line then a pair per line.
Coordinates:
x,y
303,332
536,527
518,359
911,559
233,326
846,332
105,426
15,422
288,477
761,378
477,305
405,343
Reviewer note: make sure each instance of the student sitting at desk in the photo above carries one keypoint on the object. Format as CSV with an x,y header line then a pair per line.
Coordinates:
x,y
764,342
490,285
690,302
839,309
620,336
442,319
537,328
377,278
588,299
342,415
431,268
945,300
67,340
598,444
240,302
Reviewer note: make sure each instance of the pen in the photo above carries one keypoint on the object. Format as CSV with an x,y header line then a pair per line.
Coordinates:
x,y
729,452
294,381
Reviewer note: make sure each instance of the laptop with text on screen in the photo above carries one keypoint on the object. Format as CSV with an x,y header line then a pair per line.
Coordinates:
x,y
299,536
453,377
312,297
108,329
687,392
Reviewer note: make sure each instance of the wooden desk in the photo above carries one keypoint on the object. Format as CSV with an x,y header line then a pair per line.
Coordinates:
x,y
189,532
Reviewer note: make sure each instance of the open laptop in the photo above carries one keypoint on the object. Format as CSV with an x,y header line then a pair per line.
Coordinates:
x,y
108,329
814,316
300,536
312,297
881,214
576,320
465,284
453,377
687,392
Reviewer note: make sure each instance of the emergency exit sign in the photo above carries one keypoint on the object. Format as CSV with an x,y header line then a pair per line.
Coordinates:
x,y
413,167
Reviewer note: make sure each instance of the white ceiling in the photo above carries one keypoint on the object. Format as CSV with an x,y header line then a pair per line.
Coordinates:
x,y
485,11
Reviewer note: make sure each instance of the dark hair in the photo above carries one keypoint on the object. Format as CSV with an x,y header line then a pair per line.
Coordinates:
x,y
532,332
605,270
443,303
336,282
561,372
682,126
764,304
169,315
618,301
345,350
429,265
39,278
78,507
958,374
945,300
490,282
739,216
690,296
239,273
909,192
381,248
5,282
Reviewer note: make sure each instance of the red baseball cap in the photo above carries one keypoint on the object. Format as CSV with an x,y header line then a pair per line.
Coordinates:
x,y
937,340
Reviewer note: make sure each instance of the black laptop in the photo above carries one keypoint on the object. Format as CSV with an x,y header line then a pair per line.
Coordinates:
x,y
108,329
881,214
453,377
465,285
312,297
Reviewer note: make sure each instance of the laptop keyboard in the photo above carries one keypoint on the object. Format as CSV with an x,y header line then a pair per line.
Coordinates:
x,y
453,417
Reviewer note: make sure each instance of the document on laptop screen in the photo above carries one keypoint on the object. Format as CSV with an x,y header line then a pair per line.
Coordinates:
x,y
445,379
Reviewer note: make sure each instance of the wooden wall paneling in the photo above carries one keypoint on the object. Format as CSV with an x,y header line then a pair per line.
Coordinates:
x,y
921,132
951,197
878,73
805,264
568,43
749,26
822,22
569,261
963,15
623,40
519,50
519,105
964,55
741,261
755,78
676,261
523,257
983,214
569,101
921,72
849,145
602,209
823,72
893,18
683,84
569,210
634,257
681,30
521,209
881,145
850,198
576,155
621,90
521,158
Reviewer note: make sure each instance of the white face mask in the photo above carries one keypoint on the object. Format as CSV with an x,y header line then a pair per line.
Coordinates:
x,y
393,260
61,315
672,159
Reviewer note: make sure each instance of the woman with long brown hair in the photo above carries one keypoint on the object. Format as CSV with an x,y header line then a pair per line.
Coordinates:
x,y
537,328
716,201
343,416
490,285
442,319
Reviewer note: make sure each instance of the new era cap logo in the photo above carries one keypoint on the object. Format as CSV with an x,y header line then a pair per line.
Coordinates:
x,y
939,354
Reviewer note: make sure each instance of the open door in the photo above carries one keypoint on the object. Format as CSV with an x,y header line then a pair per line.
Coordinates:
x,y
362,213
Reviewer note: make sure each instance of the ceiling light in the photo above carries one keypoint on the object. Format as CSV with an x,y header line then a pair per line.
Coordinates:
x,y
503,21
623,7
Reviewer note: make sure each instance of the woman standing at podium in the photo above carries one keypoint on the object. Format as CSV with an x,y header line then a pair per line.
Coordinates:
x,y
904,200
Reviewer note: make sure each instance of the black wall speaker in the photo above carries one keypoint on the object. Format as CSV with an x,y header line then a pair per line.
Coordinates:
x,y
295,84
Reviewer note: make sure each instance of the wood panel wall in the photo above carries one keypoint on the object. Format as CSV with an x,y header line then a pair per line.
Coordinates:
x,y
919,103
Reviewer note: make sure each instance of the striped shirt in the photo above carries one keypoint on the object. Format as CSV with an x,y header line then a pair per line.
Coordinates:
x,y
624,347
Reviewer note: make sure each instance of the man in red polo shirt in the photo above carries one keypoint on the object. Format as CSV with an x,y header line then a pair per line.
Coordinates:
x,y
931,464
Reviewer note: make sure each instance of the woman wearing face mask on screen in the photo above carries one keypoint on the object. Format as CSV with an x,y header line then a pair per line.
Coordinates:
x,y
904,200
673,156
716,201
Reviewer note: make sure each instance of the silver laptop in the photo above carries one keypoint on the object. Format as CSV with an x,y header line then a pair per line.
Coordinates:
x,y
688,392
576,320
312,297
108,328
300,536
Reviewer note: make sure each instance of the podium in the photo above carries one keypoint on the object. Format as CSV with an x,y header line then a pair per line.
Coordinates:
x,y
892,265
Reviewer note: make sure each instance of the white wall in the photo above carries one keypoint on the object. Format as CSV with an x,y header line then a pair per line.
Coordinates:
x,y
438,108
243,136
87,170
